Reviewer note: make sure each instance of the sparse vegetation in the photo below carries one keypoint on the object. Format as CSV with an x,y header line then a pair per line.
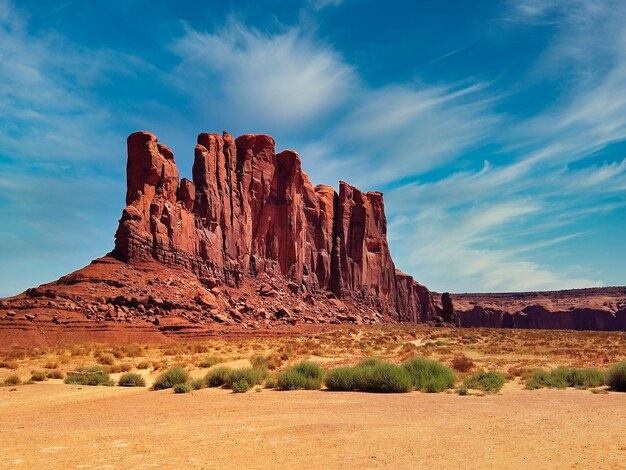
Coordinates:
x,y
563,377
55,374
616,377
227,377
171,378
218,376
131,380
12,365
305,374
93,376
184,387
12,379
106,359
198,384
38,376
462,363
429,376
211,361
240,386
141,365
490,381
271,361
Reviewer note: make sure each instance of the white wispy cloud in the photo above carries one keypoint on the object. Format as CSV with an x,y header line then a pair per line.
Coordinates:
x,y
264,81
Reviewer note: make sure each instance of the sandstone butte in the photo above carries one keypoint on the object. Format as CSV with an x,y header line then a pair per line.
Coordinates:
x,y
251,244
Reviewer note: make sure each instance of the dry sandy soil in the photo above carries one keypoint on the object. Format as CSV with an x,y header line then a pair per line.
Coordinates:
x,y
53,425
60,426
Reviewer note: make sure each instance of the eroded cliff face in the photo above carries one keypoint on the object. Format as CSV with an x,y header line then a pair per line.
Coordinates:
x,y
250,210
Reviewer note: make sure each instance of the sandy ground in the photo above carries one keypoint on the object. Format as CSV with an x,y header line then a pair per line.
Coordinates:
x,y
52,425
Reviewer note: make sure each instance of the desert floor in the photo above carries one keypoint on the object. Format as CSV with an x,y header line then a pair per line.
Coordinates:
x,y
50,424
60,426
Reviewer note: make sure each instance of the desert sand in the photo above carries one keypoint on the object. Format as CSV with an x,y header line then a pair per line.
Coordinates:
x,y
51,425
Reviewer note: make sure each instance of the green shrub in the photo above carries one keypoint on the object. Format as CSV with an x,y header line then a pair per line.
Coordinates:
x,y
55,374
131,380
563,377
382,377
38,376
250,375
93,375
304,374
211,361
586,378
184,387
462,390
490,382
341,379
429,376
170,378
198,384
13,379
227,376
241,386
271,381
616,377
218,376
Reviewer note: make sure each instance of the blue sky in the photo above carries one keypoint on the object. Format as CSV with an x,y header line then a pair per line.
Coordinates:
x,y
496,130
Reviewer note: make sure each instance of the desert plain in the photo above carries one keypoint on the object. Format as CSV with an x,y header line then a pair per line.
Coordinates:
x,y
50,424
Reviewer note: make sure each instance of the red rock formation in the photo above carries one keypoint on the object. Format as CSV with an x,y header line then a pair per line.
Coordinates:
x,y
250,210
577,309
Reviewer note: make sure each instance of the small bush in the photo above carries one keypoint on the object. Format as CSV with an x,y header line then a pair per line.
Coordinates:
x,y
250,375
106,359
198,384
131,380
616,377
184,387
429,376
121,367
170,378
211,361
271,361
8,365
382,377
13,379
227,376
92,376
304,374
490,382
51,365
55,374
241,386
143,365
218,376
563,377
271,381
38,376
341,379
586,378
462,390
462,363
